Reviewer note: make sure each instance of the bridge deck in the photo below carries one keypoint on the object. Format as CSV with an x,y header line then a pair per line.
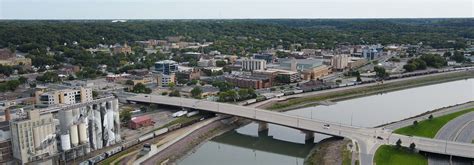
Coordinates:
x,y
335,129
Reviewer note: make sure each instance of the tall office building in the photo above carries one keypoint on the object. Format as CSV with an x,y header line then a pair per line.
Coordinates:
x,y
166,66
253,64
33,137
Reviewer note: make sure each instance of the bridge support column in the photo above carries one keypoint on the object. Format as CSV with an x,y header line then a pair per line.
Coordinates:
x,y
262,126
308,136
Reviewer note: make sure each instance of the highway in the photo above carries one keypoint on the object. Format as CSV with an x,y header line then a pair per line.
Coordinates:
x,y
365,137
460,129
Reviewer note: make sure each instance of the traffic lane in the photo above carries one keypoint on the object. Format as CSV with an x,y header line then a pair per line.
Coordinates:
x,y
451,129
467,133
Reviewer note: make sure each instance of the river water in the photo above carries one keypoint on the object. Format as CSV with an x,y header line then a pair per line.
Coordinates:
x,y
286,146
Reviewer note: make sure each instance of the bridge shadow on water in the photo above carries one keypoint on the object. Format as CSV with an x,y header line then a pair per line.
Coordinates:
x,y
266,143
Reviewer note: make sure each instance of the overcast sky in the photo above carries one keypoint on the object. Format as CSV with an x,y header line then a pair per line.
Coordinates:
x,y
225,9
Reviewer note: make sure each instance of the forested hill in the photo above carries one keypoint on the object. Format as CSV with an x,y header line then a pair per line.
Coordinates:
x,y
237,36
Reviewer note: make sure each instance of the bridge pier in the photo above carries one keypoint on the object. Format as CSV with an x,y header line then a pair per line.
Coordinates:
x,y
309,136
262,126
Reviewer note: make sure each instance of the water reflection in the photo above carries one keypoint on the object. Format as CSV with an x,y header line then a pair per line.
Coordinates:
x,y
284,145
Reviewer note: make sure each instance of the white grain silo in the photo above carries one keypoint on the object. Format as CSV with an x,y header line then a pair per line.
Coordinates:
x,y
37,137
74,135
65,142
82,133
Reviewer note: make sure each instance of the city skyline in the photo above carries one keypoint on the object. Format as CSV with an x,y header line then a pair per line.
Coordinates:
x,y
229,9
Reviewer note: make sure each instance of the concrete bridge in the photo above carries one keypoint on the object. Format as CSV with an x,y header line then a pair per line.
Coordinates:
x,y
368,139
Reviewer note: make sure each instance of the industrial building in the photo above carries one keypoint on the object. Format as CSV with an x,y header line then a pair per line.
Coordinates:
x,y
66,131
253,64
340,62
34,137
141,121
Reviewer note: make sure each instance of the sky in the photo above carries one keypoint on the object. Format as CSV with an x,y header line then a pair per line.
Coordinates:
x,y
233,9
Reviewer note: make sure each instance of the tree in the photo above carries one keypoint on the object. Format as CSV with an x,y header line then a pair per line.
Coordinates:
x,y
409,67
48,77
70,77
129,82
22,80
171,85
415,123
220,63
95,94
125,116
412,146
380,72
175,93
358,78
458,57
399,143
196,92
141,88
430,117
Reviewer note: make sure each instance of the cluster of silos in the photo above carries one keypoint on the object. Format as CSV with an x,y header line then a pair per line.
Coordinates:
x,y
73,129
96,125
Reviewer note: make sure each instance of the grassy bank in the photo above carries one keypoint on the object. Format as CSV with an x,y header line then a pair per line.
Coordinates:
x,y
390,155
369,90
429,128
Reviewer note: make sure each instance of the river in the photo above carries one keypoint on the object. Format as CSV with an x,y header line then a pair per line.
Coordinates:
x,y
286,146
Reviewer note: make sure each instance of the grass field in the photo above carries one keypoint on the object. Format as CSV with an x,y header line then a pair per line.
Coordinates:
x,y
429,128
390,155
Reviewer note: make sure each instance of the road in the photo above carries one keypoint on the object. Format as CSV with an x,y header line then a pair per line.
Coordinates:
x,y
365,137
460,129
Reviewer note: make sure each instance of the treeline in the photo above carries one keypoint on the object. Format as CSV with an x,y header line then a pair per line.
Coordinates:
x,y
236,36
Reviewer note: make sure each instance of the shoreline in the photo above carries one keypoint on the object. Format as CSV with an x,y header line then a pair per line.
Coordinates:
x,y
418,81
295,102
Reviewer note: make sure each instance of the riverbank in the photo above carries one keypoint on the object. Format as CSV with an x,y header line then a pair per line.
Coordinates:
x,y
188,144
309,99
330,151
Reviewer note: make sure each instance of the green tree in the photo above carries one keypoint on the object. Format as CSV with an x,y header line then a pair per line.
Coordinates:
x,y
380,72
141,88
412,147
48,77
95,94
125,116
129,82
415,123
175,93
22,80
458,57
220,63
430,117
399,143
196,92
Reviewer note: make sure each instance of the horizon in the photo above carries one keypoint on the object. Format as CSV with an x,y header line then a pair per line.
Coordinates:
x,y
230,9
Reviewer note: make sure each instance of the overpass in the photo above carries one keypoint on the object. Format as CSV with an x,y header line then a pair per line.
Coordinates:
x,y
364,137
